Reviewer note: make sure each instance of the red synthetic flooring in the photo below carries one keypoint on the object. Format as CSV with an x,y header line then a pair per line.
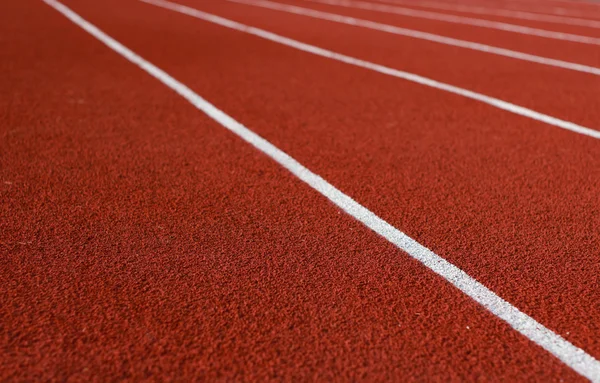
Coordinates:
x,y
140,240
487,7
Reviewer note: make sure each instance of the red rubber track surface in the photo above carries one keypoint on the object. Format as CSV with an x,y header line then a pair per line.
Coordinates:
x,y
556,49
550,26
142,241
498,76
581,9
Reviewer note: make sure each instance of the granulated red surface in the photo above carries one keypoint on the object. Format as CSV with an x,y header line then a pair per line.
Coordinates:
x,y
142,241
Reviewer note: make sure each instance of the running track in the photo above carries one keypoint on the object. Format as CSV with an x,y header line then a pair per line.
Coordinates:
x,y
144,240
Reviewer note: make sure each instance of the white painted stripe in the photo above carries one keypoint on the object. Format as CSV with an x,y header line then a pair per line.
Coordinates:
x,y
500,104
419,35
535,8
522,15
462,20
576,4
574,357
563,12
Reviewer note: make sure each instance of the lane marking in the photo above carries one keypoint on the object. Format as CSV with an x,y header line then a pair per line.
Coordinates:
x,y
495,102
419,35
576,4
566,12
462,20
535,9
522,15
572,356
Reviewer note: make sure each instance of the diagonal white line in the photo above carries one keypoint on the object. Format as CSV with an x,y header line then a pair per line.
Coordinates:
x,y
463,20
523,15
542,8
500,104
419,35
574,357
558,11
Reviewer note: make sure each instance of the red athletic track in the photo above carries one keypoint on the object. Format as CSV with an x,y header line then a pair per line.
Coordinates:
x,y
582,9
142,241
568,99
557,49
556,27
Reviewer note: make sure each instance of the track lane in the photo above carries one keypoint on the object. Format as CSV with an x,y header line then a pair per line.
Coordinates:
x,y
484,194
485,11
585,8
556,25
145,242
395,30
471,21
538,7
552,12
491,75
563,50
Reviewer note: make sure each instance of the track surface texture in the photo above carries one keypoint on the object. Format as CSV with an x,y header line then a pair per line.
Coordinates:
x,y
140,240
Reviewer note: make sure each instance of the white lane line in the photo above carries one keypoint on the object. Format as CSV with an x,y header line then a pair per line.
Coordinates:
x,y
495,102
462,20
522,15
576,4
540,9
572,356
419,35
563,12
